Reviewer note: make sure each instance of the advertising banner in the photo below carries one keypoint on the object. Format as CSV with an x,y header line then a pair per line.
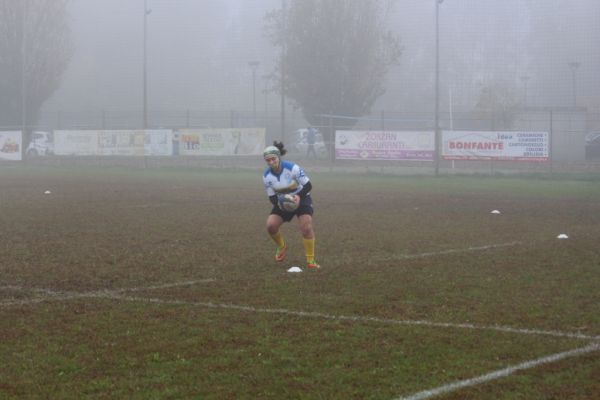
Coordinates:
x,y
113,142
10,145
121,143
159,142
75,143
384,145
502,146
222,142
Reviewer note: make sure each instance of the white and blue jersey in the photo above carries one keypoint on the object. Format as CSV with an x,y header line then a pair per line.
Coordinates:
x,y
291,179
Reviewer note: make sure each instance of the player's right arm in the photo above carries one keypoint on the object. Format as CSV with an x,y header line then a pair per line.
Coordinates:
x,y
270,192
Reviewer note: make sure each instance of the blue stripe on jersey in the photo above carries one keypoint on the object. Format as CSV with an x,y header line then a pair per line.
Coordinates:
x,y
284,165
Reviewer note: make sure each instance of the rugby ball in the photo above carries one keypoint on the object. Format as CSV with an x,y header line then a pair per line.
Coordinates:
x,y
287,202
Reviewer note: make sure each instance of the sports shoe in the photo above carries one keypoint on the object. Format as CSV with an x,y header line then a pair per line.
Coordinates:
x,y
280,253
313,265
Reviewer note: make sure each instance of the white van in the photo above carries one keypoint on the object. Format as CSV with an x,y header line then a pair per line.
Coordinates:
x,y
592,146
40,144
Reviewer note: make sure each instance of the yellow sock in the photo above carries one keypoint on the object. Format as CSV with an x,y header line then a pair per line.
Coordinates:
x,y
309,248
278,239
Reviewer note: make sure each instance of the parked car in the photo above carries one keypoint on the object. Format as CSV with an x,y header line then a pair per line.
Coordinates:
x,y
592,146
40,144
298,142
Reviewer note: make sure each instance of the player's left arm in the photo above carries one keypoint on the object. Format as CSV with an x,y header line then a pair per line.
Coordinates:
x,y
305,190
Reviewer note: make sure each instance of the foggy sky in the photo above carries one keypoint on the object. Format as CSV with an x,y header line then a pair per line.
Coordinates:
x,y
198,53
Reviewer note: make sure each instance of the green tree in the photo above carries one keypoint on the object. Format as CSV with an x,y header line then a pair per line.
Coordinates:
x,y
35,49
336,54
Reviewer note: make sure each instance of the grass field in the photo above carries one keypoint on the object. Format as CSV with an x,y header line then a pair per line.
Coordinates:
x,y
161,284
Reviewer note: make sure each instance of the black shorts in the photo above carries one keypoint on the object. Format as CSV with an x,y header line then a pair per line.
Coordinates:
x,y
305,207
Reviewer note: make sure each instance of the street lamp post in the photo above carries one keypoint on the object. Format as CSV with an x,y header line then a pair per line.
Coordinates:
x,y
437,87
145,74
574,65
282,66
266,93
525,80
24,70
254,65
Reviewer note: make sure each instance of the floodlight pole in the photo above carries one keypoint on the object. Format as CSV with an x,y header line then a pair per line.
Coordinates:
x,y
145,74
525,80
282,66
437,138
254,66
574,65
23,71
266,92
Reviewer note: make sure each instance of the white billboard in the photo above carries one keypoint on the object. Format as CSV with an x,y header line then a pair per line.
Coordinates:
x,y
158,142
75,143
10,145
496,145
384,145
114,142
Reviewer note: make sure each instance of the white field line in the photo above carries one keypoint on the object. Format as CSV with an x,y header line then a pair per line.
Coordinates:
x,y
37,300
310,314
53,295
150,205
427,394
163,286
117,295
450,251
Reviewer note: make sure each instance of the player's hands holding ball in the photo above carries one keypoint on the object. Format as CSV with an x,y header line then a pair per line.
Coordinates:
x,y
289,202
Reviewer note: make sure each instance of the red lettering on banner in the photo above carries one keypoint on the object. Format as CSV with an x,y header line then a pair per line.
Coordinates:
x,y
476,145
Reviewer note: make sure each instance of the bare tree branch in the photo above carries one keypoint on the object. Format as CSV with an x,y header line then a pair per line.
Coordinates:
x,y
337,54
35,49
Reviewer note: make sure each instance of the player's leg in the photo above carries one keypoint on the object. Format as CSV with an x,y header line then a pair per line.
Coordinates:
x,y
305,223
274,222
